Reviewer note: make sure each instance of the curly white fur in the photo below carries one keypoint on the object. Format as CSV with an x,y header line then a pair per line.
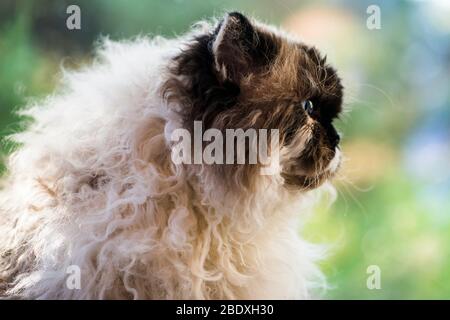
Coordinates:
x,y
92,185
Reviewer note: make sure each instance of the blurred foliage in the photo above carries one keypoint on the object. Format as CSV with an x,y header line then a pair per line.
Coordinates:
x,y
392,208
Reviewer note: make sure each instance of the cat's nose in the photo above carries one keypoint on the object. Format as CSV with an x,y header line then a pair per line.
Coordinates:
x,y
335,139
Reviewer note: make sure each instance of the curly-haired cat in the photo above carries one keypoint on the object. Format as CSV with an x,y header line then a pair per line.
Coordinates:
x,y
92,184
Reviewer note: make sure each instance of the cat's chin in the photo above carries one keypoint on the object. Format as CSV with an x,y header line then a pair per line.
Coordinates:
x,y
306,183
312,181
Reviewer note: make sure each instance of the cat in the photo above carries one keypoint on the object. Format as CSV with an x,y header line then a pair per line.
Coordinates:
x,y
93,207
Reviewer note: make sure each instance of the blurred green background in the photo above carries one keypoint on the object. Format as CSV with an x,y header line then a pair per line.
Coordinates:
x,y
393,203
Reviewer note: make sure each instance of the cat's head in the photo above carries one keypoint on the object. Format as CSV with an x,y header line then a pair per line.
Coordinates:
x,y
243,74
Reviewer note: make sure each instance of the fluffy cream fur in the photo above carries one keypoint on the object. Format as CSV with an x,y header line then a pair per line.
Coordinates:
x,y
92,185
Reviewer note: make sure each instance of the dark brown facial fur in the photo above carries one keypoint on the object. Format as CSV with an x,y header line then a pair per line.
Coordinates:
x,y
242,75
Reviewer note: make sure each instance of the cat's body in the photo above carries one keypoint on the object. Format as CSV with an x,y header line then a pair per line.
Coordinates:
x,y
93,189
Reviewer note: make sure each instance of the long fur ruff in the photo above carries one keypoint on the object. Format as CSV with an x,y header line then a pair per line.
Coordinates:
x,y
92,185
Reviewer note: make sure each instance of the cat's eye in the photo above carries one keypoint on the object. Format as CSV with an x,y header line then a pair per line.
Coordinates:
x,y
308,106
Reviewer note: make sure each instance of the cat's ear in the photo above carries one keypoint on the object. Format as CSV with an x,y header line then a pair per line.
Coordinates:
x,y
239,48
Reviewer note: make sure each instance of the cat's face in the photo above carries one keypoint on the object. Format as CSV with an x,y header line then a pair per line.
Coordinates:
x,y
244,75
